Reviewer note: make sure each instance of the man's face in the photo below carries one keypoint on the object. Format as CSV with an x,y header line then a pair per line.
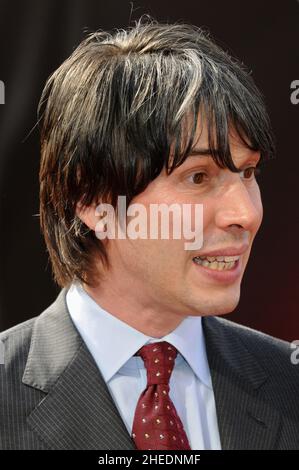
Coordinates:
x,y
164,275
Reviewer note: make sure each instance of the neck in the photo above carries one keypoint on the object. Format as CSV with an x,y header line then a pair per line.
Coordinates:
x,y
130,307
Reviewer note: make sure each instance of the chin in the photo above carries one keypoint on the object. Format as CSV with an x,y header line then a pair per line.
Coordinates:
x,y
224,309
217,306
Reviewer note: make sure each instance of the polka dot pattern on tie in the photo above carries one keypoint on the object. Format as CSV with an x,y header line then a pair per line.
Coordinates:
x,y
156,422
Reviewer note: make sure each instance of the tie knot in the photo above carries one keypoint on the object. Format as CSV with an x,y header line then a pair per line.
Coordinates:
x,y
159,361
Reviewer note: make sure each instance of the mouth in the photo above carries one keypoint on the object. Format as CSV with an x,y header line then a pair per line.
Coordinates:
x,y
217,263
224,266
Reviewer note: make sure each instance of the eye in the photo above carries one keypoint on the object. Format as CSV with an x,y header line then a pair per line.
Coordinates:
x,y
250,172
197,178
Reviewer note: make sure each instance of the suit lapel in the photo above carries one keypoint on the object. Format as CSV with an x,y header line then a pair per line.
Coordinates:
x,y
77,411
246,419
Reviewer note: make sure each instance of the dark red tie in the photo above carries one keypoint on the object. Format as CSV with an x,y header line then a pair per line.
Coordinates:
x,y
156,423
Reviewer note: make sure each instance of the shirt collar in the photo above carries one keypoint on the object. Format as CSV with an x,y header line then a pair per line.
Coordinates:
x,y
101,330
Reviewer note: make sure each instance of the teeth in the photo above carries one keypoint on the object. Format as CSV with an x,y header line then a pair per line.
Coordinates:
x,y
227,259
216,265
205,263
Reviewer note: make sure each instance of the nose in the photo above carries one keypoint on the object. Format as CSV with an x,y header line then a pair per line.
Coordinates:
x,y
239,206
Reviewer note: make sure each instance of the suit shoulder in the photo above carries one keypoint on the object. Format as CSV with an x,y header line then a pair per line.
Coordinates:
x,y
251,335
19,330
24,329
16,343
273,353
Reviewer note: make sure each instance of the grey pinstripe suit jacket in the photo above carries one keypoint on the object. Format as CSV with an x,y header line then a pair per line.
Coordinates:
x,y
54,397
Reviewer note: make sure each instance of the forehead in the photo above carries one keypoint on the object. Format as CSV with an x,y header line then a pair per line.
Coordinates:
x,y
201,138
201,146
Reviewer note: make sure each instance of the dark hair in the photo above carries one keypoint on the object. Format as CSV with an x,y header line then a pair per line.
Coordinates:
x,y
111,112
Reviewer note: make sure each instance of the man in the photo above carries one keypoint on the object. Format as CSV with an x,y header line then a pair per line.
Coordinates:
x,y
133,354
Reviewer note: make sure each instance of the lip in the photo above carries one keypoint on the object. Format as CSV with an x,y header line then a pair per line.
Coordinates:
x,y
226,277
228,251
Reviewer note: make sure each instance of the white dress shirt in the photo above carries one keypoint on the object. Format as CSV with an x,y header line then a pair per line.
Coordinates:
x,y
113,343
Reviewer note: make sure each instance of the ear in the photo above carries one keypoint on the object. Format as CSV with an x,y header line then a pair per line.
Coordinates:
x,y
88,215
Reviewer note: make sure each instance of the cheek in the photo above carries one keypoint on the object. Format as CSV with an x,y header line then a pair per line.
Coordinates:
x,y
208,208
